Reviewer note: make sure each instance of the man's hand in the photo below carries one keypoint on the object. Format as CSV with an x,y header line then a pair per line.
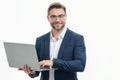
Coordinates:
x,y
46,63
27,70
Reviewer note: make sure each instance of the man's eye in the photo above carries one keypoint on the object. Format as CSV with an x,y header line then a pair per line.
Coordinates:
x,y
61,16
52,16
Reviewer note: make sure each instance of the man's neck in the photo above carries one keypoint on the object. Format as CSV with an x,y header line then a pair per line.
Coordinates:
x,y
56,33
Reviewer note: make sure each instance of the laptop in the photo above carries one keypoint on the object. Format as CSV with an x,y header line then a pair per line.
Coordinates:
x,y
19,54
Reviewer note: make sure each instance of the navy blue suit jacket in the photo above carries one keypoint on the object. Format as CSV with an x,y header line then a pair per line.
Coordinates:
x,y
71,56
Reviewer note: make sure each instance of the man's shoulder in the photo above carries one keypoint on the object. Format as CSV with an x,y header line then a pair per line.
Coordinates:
x,y
75,34
44,36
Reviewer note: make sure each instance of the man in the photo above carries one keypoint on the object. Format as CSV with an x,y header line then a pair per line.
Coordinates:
x,y
60,48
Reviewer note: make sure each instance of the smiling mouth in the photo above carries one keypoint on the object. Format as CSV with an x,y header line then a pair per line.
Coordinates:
x,y
58,23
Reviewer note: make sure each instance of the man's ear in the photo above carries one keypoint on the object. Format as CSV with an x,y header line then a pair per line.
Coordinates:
x,y
48,18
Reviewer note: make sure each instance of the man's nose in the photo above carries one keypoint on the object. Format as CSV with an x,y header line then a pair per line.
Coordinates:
x,y
57,19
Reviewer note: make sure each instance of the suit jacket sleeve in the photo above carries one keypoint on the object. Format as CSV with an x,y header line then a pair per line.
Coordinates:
x,y
78,59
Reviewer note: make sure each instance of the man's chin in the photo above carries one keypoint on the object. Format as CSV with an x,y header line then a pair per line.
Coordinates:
x,y
58,28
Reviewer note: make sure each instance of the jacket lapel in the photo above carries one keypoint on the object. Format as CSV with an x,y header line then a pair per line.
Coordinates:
x,y
64,43
47,46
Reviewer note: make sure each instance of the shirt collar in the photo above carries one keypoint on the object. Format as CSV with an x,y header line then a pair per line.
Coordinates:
x,y
61,35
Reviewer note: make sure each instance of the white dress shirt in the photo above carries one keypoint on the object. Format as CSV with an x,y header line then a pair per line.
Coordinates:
x,y
54,49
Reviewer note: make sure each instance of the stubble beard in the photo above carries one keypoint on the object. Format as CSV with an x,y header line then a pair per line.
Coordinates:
x,y
58,29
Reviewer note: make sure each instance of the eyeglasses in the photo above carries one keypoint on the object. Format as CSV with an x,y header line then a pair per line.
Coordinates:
x,y
61,16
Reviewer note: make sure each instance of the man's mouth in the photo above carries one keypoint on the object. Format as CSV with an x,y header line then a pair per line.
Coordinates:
x,y
57,23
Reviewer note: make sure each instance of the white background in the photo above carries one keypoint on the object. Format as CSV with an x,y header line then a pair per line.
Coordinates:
x,y
98,20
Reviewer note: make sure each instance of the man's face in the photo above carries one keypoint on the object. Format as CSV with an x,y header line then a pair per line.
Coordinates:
x,y
57,18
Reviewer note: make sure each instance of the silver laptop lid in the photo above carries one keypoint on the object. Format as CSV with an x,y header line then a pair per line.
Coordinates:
x,y
19,54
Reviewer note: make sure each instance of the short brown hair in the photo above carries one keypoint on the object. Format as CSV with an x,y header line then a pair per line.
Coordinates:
x,y
56,5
